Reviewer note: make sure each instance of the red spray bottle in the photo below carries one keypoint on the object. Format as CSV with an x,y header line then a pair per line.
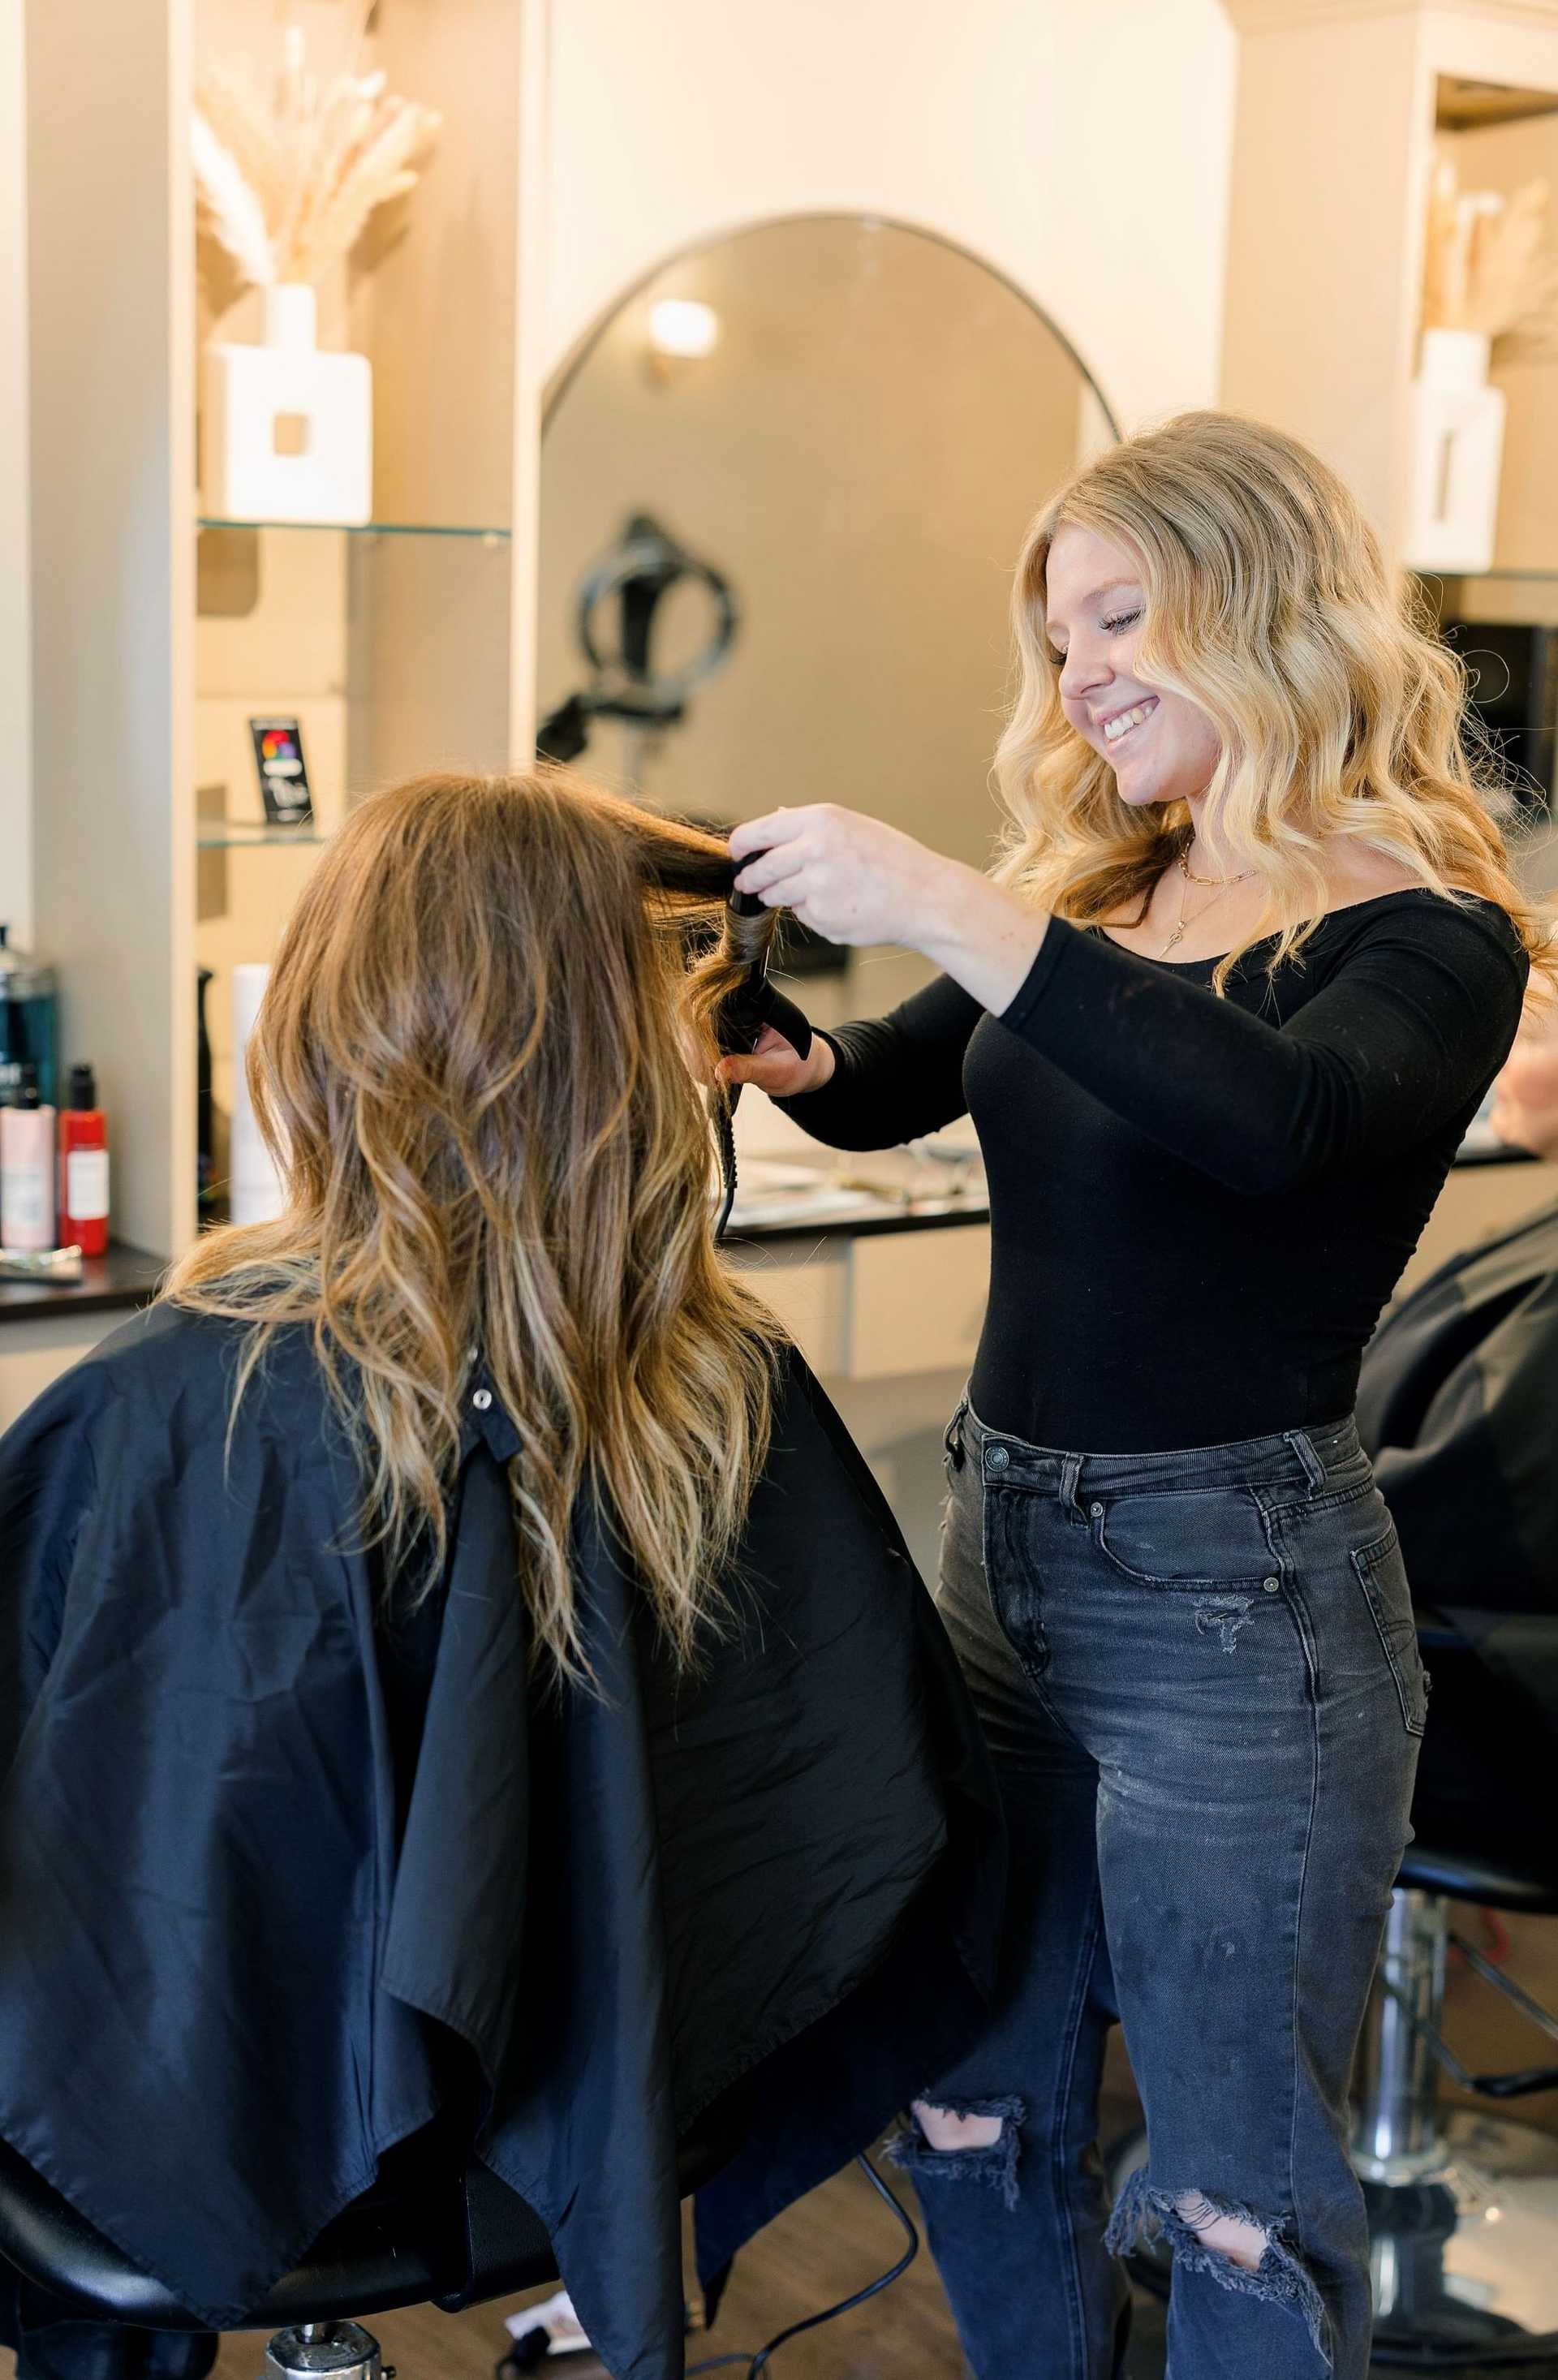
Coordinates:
x,y
83,1167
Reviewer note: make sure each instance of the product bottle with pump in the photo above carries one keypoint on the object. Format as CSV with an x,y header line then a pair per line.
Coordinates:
x,y
26,1168
83,1167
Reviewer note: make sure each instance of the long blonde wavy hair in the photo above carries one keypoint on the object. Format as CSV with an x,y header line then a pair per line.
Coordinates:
x,y
471,1065
1268,607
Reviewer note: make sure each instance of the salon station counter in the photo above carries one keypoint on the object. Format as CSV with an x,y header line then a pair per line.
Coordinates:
x,y
877,1265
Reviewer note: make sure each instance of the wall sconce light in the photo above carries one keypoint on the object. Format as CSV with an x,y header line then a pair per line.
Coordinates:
x,y
682,331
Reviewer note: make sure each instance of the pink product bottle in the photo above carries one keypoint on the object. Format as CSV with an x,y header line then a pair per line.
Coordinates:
x,y
27,1171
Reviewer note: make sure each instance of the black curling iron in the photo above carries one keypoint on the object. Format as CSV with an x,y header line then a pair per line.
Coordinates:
x,y
738,1028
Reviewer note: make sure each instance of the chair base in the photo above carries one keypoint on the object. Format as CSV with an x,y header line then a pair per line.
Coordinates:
x,y
323,2351
1462,2257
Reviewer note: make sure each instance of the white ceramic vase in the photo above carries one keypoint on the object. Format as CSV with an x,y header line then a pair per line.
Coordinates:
x,y
286,433
1456,446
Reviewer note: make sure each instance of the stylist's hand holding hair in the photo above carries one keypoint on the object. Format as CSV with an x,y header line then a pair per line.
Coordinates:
x,y
856,880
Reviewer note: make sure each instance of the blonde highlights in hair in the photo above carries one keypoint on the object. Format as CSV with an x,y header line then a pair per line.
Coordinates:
x,y
1268,607
471,1062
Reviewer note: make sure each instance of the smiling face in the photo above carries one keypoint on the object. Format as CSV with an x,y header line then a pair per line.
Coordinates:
x,y
1160,746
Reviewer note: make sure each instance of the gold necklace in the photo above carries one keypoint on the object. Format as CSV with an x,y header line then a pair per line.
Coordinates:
x,y
1185,923
1183,856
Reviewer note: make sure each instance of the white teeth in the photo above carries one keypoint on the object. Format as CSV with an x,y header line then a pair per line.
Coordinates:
x,y
1125,719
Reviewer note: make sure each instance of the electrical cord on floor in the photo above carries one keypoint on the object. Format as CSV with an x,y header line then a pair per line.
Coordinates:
x,y
757,2364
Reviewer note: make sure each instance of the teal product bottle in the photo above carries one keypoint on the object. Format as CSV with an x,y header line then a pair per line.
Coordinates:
x,y
29,1023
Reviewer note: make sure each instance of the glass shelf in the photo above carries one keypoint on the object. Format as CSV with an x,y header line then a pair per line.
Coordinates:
x,y
236,835
369,528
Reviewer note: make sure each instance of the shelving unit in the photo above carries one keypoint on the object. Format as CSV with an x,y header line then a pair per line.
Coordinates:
x,y
403,643
1339,108
238,836
389,641
367,528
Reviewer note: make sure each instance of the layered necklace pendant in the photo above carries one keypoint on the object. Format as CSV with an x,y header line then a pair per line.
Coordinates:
x,y
1223,884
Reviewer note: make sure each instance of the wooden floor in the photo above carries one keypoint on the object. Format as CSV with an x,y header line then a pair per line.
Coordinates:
x,y
836,2239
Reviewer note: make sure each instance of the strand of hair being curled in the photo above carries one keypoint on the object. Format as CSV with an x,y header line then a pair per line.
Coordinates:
x,y
1268,606
471,1062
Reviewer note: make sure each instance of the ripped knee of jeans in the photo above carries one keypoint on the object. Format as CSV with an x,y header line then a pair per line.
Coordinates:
x,y
1182,2219
986,2156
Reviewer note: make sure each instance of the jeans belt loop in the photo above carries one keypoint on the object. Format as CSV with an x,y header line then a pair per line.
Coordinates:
x,y
1070,1475
1314,1469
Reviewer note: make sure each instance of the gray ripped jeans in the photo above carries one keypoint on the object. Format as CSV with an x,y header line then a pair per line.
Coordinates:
x,y
1199,1679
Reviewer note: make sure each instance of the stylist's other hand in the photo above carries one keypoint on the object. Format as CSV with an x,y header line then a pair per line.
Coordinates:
x,y
847,877
774,1067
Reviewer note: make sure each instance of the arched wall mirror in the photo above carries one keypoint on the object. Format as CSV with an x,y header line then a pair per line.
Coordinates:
x,y
783,490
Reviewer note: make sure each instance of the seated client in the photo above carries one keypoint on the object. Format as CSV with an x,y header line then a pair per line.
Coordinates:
x,y
459,1687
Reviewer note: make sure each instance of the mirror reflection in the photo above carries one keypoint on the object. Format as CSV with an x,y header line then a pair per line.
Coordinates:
x,y
783,488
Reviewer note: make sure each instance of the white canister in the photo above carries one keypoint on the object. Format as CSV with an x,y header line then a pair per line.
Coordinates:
x,y
256,1192
1454,453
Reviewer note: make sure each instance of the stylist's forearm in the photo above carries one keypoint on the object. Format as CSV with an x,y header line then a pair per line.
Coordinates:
x,y
983,936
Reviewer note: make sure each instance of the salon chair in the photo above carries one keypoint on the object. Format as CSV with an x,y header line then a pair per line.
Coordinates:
x,y
454,2238
1462,2200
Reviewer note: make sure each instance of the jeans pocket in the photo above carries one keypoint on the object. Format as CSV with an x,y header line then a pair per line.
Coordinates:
x,y
1381,1573
1184,1536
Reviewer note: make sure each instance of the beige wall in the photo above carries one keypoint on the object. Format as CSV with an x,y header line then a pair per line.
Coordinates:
x,y
1083,151
16,646
111,325
1325,242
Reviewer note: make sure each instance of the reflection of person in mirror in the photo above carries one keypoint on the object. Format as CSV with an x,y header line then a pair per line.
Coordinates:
x,y
1252,958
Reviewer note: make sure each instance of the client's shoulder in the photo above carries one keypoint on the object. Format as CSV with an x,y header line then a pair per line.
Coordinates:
x,y
161,1345
169,1359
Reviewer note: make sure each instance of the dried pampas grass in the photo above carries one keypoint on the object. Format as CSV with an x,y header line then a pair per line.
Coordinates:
x,y
1485,267
286,191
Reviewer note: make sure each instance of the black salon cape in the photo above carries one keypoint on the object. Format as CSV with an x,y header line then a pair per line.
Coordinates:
x,y
1458,1405
218,1964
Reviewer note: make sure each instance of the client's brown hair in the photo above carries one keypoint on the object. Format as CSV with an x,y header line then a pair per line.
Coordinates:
x,y
470,1063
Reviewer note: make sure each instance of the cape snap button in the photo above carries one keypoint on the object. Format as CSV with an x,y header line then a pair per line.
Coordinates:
x,y
996,1458
482,1398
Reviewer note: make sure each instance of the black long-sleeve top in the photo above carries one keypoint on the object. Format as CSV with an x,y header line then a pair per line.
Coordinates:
x,y
1199,1206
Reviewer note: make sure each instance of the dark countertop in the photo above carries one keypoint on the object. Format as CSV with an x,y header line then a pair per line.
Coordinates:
x,y
867,1222
126,1278
115,1283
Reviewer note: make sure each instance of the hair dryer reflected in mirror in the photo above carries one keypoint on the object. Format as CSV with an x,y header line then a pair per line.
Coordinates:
x,y
627,682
